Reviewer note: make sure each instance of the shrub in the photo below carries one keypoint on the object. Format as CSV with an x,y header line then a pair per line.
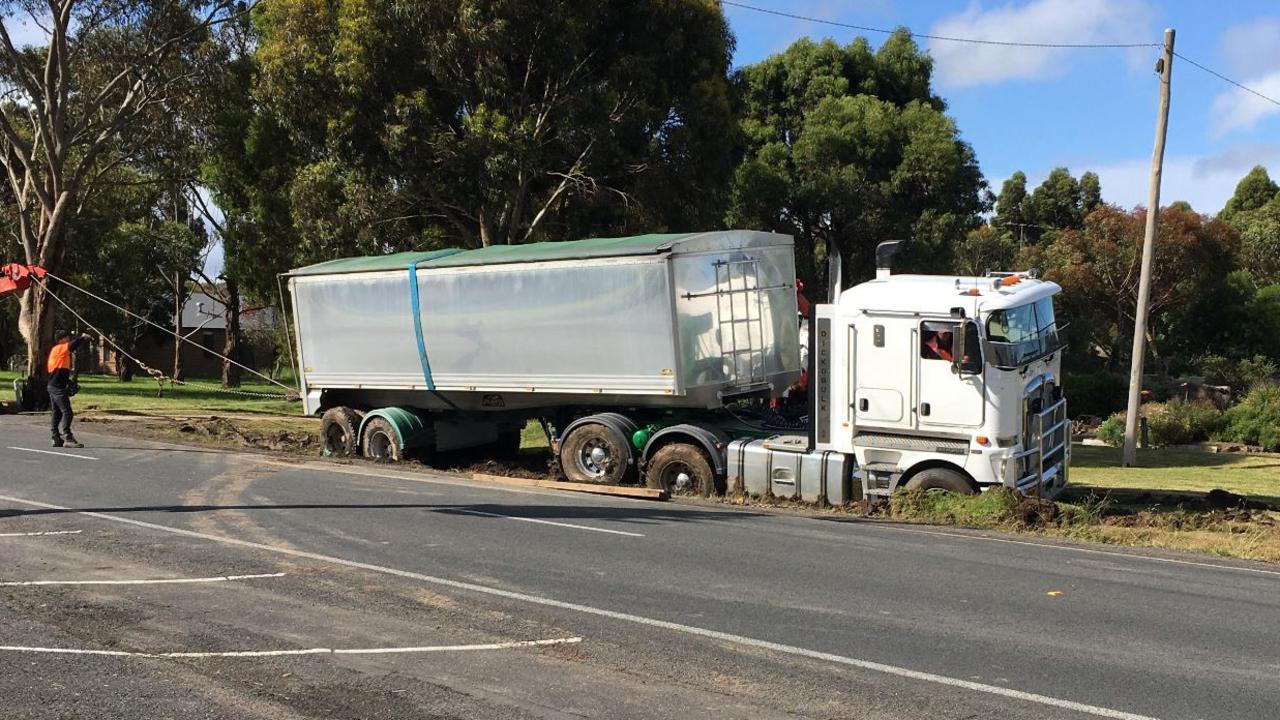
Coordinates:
x,y
1240,375
1099,393
1177,422
1256,419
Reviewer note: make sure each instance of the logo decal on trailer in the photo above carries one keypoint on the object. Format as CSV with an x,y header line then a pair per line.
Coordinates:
x,y
492,400
823,372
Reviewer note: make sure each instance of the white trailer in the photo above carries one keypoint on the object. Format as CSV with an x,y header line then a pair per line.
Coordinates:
x,y
654,358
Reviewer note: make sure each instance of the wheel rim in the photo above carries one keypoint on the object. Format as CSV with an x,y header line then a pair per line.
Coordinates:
x,y
595,458
335,439
678,478
379,445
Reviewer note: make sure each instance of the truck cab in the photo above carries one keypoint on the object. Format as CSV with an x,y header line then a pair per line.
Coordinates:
x,y
937,382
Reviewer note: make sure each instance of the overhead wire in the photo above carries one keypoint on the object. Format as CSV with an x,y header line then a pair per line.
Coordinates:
x,y
946,38
1000,43
157,374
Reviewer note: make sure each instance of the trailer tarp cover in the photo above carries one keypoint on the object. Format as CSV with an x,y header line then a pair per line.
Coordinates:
x,y
502,254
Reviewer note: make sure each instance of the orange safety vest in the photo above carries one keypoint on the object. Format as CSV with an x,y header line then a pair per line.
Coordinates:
x,y
60,357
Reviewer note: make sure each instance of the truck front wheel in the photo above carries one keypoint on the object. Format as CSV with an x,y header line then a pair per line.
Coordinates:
x,y
941,480
681,468
595,453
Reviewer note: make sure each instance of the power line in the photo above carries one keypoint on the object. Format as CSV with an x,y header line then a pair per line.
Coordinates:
x,y
1001,43
971,41
1224,78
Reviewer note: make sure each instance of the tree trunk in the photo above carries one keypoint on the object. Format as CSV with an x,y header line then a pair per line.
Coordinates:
x,y
179,299
231,347
35,324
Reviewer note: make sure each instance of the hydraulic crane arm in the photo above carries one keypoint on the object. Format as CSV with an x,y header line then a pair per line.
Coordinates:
x,y
16,277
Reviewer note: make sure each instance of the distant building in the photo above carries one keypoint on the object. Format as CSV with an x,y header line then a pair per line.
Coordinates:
x,y
204,324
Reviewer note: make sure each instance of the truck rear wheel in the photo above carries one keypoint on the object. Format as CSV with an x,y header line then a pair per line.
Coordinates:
x,y
339,432
941,480
380,441
681,468
595,453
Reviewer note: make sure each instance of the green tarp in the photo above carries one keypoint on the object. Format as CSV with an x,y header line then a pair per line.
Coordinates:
x,y
501,254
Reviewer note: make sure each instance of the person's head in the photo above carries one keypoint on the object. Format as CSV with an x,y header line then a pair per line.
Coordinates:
x,y
62,336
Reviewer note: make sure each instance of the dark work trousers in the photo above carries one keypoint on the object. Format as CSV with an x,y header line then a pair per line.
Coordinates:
x,y
60,412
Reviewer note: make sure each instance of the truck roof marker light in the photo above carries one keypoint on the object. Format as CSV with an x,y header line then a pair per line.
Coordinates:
x,y
974,292
1010,280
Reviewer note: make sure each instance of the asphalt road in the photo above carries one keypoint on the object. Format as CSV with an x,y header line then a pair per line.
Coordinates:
x,y
644,610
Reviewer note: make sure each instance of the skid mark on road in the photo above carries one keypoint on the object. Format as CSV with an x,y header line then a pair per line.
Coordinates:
x,y
692,630
300,651
226,494
158,581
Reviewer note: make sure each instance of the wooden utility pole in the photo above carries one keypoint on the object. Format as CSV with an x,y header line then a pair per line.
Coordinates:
x,y
1165,68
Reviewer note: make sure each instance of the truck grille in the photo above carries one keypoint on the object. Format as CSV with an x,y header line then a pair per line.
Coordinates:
x,y
1046,435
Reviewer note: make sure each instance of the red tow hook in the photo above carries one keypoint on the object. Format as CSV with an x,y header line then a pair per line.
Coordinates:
x,y
16,277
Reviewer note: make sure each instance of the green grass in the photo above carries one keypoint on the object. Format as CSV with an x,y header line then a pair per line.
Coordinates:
x,y
1253,476
101,393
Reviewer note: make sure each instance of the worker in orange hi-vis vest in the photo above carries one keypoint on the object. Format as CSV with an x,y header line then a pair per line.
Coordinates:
x,y
60,391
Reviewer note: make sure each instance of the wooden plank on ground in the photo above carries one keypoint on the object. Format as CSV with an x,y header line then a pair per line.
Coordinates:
x,y
639,493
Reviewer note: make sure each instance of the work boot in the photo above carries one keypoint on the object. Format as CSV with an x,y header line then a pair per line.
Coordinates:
x,y
71,442
57,441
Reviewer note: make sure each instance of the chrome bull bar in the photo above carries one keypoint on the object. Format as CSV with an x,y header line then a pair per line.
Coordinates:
x,y
1043,464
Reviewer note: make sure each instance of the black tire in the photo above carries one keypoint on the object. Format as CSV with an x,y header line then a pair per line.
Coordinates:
x,y
596,453
941,480
380,442
340,432
681,469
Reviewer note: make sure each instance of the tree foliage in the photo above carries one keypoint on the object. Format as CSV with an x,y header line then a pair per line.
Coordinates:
x,y
852,146
1099,265
101,93
479,122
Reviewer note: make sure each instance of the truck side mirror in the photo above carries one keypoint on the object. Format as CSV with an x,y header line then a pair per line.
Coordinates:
x,y
966,359
957,348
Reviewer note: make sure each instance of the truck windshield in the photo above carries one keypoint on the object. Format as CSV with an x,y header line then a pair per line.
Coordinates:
x,y
1022,334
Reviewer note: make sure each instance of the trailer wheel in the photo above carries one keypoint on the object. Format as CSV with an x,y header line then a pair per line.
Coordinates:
x,y
681,469
595,453
941,480
339,432
380,441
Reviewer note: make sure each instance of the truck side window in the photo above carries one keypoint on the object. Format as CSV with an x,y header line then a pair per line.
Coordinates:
x,y
936,340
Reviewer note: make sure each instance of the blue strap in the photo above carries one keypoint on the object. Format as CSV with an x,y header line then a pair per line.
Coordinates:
x,y
417,325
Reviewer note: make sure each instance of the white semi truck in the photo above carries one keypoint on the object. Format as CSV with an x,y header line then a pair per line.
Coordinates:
x,y
661,358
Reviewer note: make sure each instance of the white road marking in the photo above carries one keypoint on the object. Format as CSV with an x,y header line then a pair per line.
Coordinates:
x,y
50,452
1073,548
168,581
42,533
547,522
694,630
299,651
460,482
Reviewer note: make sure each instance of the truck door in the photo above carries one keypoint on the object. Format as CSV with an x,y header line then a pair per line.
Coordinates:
x,y
945,398
882,372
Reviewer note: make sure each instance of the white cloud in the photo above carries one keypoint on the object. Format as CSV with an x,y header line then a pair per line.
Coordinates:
x,y
1040,21
1204,181
1252,51
1252,48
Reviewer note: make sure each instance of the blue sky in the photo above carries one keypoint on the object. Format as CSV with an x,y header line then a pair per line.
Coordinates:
x,y
1033,110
